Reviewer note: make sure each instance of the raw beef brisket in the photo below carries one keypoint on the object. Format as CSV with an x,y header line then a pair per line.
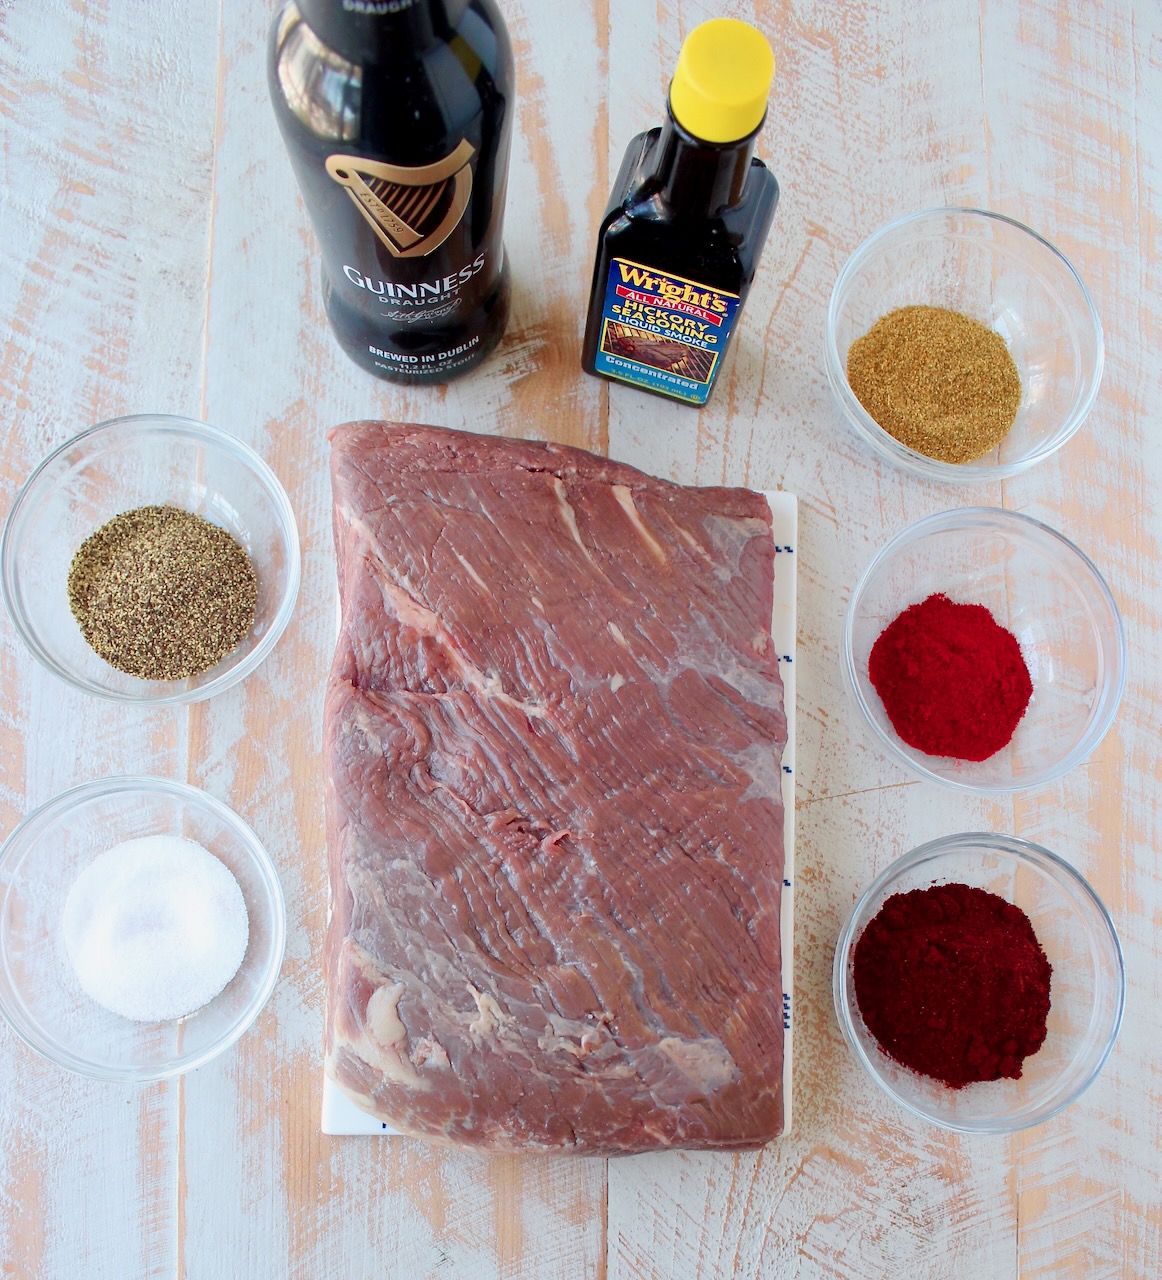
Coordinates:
x,y
553,735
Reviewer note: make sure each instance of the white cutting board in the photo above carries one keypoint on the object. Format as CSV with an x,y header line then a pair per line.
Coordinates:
x,y
341,1116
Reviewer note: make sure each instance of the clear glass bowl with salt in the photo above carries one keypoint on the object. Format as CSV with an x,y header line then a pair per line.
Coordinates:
x,y
142,928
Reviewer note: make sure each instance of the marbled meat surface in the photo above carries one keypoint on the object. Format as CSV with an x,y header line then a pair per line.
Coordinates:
x,y
553,734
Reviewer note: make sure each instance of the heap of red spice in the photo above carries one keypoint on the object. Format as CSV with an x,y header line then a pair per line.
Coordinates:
x,y
952,679
953,983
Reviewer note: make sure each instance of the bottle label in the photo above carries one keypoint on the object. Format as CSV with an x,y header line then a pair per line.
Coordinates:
x,y
412,209
663,331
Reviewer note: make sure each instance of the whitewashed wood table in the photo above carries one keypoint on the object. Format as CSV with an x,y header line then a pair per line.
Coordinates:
x,y
154,255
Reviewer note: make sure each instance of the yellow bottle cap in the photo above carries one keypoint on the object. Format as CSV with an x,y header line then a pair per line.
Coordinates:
x,y
722,81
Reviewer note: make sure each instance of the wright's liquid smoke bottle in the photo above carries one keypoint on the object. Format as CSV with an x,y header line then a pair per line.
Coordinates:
x,y
397,115
680,242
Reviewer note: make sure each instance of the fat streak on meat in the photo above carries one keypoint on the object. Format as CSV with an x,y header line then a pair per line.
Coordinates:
x,y
553,730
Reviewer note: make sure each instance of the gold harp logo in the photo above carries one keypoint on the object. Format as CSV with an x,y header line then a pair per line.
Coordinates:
x,y
412,210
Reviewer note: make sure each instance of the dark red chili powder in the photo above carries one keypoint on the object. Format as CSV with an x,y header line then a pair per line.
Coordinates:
x,y
953,983
951,678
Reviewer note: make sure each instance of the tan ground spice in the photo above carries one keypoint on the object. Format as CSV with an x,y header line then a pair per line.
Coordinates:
x,y
161,593
940,382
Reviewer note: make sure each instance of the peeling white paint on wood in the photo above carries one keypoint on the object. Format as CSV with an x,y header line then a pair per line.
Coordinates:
x,y
154,255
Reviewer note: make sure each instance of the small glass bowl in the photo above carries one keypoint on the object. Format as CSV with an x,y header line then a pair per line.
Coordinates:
x,y
1040,587
1001,273
1086,994
40,994
116,466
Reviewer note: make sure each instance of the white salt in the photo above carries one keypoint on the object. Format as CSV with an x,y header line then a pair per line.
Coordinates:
x,y
155,928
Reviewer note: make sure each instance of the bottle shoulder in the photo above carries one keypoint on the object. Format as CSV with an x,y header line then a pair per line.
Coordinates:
x,y
409,106
315,90
724,248
632,173
638,191
761,193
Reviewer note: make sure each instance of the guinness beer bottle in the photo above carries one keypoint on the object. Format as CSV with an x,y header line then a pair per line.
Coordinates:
x,y
397,115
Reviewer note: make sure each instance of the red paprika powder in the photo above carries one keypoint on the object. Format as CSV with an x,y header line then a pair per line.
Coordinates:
x,y
953,983
952,679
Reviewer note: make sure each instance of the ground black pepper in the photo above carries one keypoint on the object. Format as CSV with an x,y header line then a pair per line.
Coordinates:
x,y
162,594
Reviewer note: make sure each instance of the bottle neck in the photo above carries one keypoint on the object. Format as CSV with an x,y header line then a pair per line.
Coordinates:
x,y
699,179
376,31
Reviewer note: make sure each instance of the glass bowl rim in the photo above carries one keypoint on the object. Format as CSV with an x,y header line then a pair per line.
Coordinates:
x,y
19,844
1019,851
884,443
972,517
174,424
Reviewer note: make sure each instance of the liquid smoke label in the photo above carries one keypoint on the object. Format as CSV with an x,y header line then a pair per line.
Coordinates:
x,y
662,331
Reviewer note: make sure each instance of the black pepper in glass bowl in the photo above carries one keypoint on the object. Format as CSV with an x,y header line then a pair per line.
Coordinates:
x,y
151,559
162,594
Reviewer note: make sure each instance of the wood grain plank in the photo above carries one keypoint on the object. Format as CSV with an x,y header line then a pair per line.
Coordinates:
x,y
556,198
1076,124
106,153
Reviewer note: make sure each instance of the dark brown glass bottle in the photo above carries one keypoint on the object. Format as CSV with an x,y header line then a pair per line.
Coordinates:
x,y
397,115
680,241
